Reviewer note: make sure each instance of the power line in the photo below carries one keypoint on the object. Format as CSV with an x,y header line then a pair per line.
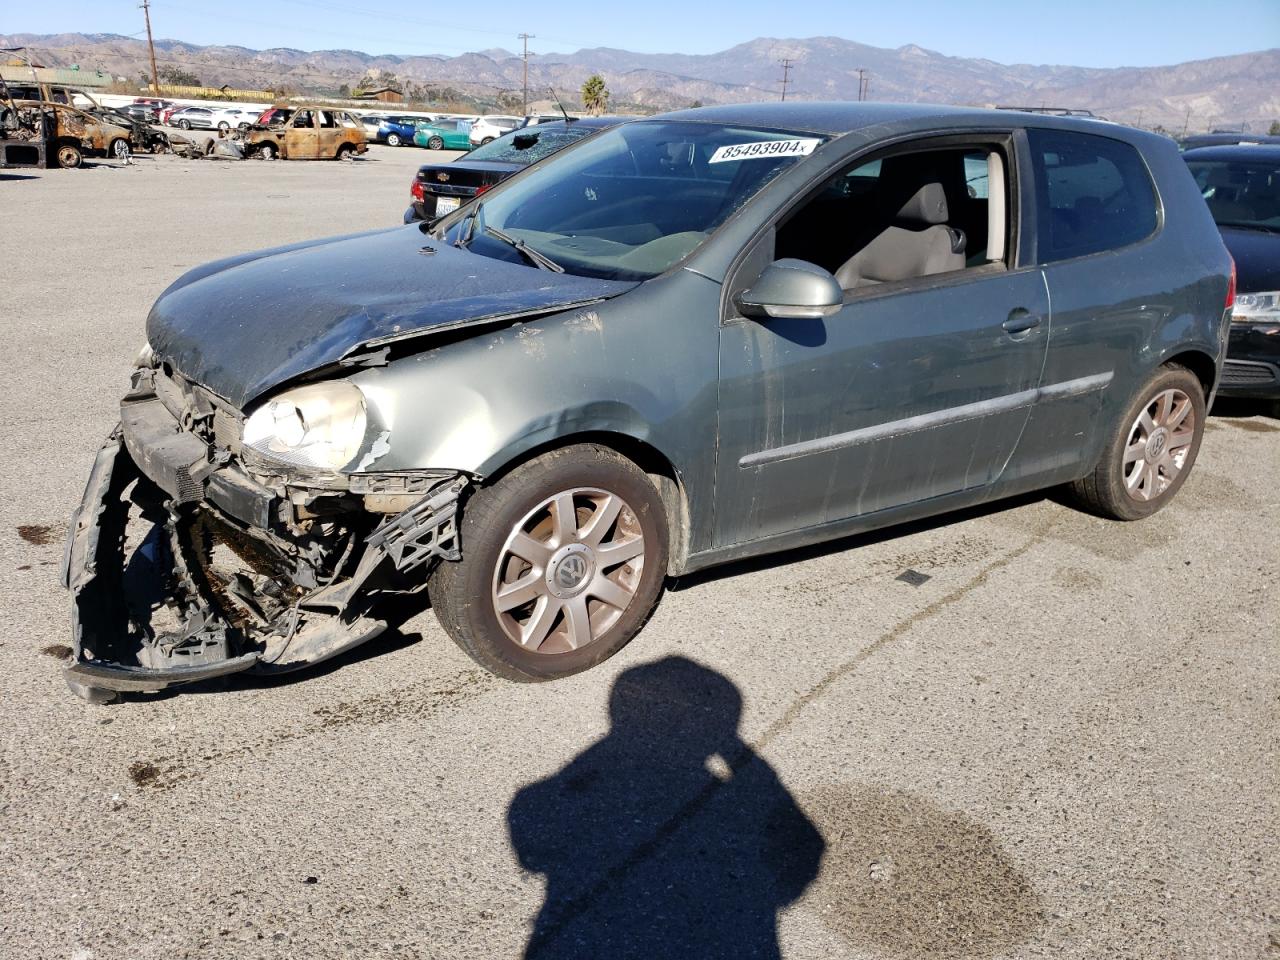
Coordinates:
x,y
786,74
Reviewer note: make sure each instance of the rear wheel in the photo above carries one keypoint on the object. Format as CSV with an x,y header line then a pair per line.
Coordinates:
x,y
435,143
393,140
1150,451
120,148
562,562
184,124
223,127
486,140
69,156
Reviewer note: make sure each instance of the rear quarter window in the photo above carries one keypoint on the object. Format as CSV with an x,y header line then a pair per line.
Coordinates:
x,y
1092,194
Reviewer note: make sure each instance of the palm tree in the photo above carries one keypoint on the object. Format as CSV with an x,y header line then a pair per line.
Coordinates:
x,y
595,95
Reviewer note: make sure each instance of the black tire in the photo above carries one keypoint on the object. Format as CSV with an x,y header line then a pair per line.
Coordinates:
x,y
435,143
223,127
462,592
486,140
1103,491
184,124
393,140
69,155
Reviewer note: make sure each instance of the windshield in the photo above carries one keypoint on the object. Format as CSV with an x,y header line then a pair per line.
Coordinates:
x,y
531,144
1240,193
633,201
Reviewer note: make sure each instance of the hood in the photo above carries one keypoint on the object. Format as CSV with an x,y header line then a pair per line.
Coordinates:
x,y
1257,257
244,325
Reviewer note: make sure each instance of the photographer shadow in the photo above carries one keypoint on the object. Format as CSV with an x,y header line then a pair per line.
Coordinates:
x,y
670,837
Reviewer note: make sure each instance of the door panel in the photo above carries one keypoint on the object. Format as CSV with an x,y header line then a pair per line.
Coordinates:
x,y
899,397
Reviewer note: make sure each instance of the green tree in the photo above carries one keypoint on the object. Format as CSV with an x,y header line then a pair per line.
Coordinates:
x,y
1275,128
178,76
595,95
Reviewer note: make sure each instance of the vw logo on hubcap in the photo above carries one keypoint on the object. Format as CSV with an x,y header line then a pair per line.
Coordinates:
x,y
1156,444
570,570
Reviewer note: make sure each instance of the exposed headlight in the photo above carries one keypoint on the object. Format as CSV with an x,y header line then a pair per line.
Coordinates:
x,y
1257,307
321,425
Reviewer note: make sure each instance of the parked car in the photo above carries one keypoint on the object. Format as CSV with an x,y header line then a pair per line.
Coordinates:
x,y
487,129
1241,185
310,133
1222,139
703,336
397,131
227,119
444,135
68,134
192,118
371,123
439,188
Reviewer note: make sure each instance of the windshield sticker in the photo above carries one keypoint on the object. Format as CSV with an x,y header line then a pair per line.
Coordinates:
x,y
765,148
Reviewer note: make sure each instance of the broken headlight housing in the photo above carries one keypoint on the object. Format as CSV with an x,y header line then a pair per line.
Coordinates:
x,y
319,426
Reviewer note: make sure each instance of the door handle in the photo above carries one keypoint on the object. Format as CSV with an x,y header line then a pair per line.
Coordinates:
x,y
1020,321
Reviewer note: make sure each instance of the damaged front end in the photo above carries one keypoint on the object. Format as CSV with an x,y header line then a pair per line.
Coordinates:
x,y
192,556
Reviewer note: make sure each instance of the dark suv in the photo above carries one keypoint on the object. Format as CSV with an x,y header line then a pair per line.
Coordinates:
x,y
708,335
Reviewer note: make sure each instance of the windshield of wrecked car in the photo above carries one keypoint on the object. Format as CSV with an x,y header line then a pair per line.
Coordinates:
x,y
634,200
530,145
1240,193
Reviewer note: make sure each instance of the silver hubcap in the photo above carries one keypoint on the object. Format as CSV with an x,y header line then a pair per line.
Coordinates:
x,y
1158,445
568,570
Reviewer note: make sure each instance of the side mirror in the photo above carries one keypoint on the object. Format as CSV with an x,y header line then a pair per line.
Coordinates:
x,y
791,289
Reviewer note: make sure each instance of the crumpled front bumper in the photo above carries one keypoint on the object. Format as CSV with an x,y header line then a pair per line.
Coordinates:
x,y
153,471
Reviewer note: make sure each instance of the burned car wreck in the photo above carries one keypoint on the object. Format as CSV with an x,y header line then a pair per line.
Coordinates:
x,y
683,341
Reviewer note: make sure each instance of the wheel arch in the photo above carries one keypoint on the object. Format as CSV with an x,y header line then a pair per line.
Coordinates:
x,y
659,467
1199,362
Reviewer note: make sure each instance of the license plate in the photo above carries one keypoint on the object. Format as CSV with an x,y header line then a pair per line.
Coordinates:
x,y
446,205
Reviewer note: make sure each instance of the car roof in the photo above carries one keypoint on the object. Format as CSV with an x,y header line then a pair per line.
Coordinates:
x,y
837,117
1235,151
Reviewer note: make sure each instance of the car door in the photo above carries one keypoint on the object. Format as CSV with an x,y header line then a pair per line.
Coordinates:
x,y
301,138
911,390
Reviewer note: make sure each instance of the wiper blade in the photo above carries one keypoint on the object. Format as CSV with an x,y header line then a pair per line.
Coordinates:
x,y
540,260
469,224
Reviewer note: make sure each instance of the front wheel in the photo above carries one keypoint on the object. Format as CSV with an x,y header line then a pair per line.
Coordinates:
x,y
267,151
1149,452
223,127
69,156
120,148
346,152
393,140
435,143
562,562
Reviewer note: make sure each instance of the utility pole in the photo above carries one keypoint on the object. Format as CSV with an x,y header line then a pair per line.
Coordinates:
x,y
526,37
155,76
864,83
1186,123
786,74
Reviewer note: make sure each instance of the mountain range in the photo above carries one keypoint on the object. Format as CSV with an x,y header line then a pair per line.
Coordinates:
x,y
1218,92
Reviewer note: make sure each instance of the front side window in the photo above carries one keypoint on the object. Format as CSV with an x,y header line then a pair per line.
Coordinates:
x,y
633,201
1093,194
1240,193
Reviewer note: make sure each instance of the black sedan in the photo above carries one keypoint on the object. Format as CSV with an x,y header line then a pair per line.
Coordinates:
x,y
440,188
1241,184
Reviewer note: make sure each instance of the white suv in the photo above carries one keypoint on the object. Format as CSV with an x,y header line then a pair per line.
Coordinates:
x,y
490,128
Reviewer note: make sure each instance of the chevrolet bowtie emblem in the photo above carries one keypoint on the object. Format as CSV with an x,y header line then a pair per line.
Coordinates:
x,y
442,177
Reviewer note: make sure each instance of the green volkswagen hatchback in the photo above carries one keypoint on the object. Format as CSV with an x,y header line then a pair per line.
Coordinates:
x,y
708,335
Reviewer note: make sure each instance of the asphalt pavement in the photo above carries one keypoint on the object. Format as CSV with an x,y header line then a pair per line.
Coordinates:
x,y
1015,732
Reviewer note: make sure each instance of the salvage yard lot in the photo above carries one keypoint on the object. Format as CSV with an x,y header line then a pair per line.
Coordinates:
x,y
1019,732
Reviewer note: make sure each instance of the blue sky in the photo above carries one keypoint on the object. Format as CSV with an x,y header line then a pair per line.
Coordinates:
x,y
1082,32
